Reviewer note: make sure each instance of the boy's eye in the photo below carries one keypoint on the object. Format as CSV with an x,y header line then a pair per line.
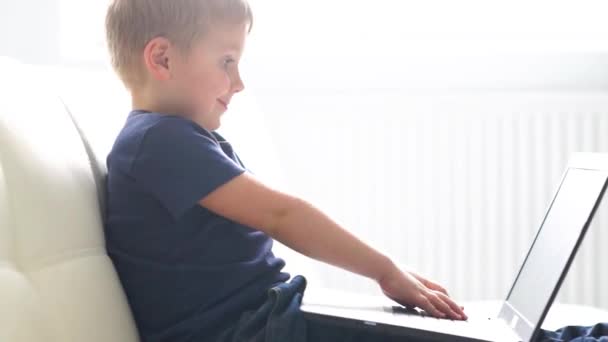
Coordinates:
x,y
228,61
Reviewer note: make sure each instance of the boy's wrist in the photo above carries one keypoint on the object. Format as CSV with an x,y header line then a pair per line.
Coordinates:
x,y
386,270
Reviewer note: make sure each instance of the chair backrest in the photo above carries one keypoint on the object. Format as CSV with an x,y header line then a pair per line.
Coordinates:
x,y
56,281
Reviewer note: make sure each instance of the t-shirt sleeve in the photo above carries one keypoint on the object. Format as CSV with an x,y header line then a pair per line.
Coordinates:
x,y
180,163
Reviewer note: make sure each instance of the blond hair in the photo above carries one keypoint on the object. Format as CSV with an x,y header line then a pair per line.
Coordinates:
x,y
131,24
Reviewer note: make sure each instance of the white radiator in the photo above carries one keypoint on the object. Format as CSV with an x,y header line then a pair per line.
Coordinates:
x,y
453,185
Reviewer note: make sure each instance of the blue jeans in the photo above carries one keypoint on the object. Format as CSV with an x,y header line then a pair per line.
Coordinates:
x,y
598,332
279,319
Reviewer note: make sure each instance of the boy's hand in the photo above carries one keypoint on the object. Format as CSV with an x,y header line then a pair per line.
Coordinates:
x,y
411,289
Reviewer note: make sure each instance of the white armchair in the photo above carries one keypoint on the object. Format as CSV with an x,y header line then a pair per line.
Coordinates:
x,y
57,283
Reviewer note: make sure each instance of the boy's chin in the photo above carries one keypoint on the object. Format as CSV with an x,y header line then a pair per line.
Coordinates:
x,y
214,124
210,125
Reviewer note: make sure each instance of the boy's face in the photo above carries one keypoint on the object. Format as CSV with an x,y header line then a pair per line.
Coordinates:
x,y
205,79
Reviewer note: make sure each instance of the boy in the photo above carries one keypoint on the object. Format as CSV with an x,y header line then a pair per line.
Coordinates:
x,y
188,229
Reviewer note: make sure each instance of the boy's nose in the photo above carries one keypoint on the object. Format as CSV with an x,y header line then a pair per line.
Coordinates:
x,y
237,84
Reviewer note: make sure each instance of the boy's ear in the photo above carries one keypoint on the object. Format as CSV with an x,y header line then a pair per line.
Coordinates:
x,y
157,55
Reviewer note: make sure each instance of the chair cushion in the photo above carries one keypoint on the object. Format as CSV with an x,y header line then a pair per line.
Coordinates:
x,y
56,280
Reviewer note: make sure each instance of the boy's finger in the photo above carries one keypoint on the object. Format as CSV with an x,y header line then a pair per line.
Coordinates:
x,y
429,307
459,310
436,287
430,284
442,303
441,289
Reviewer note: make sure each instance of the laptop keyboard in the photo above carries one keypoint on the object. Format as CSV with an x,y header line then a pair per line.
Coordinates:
x,y
423,320
409,311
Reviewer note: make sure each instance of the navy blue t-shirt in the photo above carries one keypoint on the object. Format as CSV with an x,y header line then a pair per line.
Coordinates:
x,y
185,270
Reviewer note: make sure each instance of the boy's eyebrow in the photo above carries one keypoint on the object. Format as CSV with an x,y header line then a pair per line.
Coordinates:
x,y
230,44
232,51
232,47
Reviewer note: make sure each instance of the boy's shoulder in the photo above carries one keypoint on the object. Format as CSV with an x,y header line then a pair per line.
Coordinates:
x,y
150,134
144,123
153,128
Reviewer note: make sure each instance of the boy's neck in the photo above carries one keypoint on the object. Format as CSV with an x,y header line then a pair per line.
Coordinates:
x,y
152,101
160,103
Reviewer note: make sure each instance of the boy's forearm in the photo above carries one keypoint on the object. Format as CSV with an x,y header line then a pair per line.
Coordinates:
x,y
307,230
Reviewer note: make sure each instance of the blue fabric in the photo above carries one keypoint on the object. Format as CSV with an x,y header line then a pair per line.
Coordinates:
x,y
598,332
184,269
278,319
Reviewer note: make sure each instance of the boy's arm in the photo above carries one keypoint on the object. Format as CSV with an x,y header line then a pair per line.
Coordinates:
x,y
302,227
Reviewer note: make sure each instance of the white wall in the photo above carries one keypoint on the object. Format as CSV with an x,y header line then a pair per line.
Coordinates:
x,y
29,30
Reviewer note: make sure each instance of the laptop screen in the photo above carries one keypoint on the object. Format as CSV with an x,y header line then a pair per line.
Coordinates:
x,y
555,244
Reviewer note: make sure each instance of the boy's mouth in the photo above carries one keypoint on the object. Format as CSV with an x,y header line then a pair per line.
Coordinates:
x,y
223,103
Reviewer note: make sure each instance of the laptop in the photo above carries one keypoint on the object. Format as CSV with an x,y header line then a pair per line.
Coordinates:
x,y
538,280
